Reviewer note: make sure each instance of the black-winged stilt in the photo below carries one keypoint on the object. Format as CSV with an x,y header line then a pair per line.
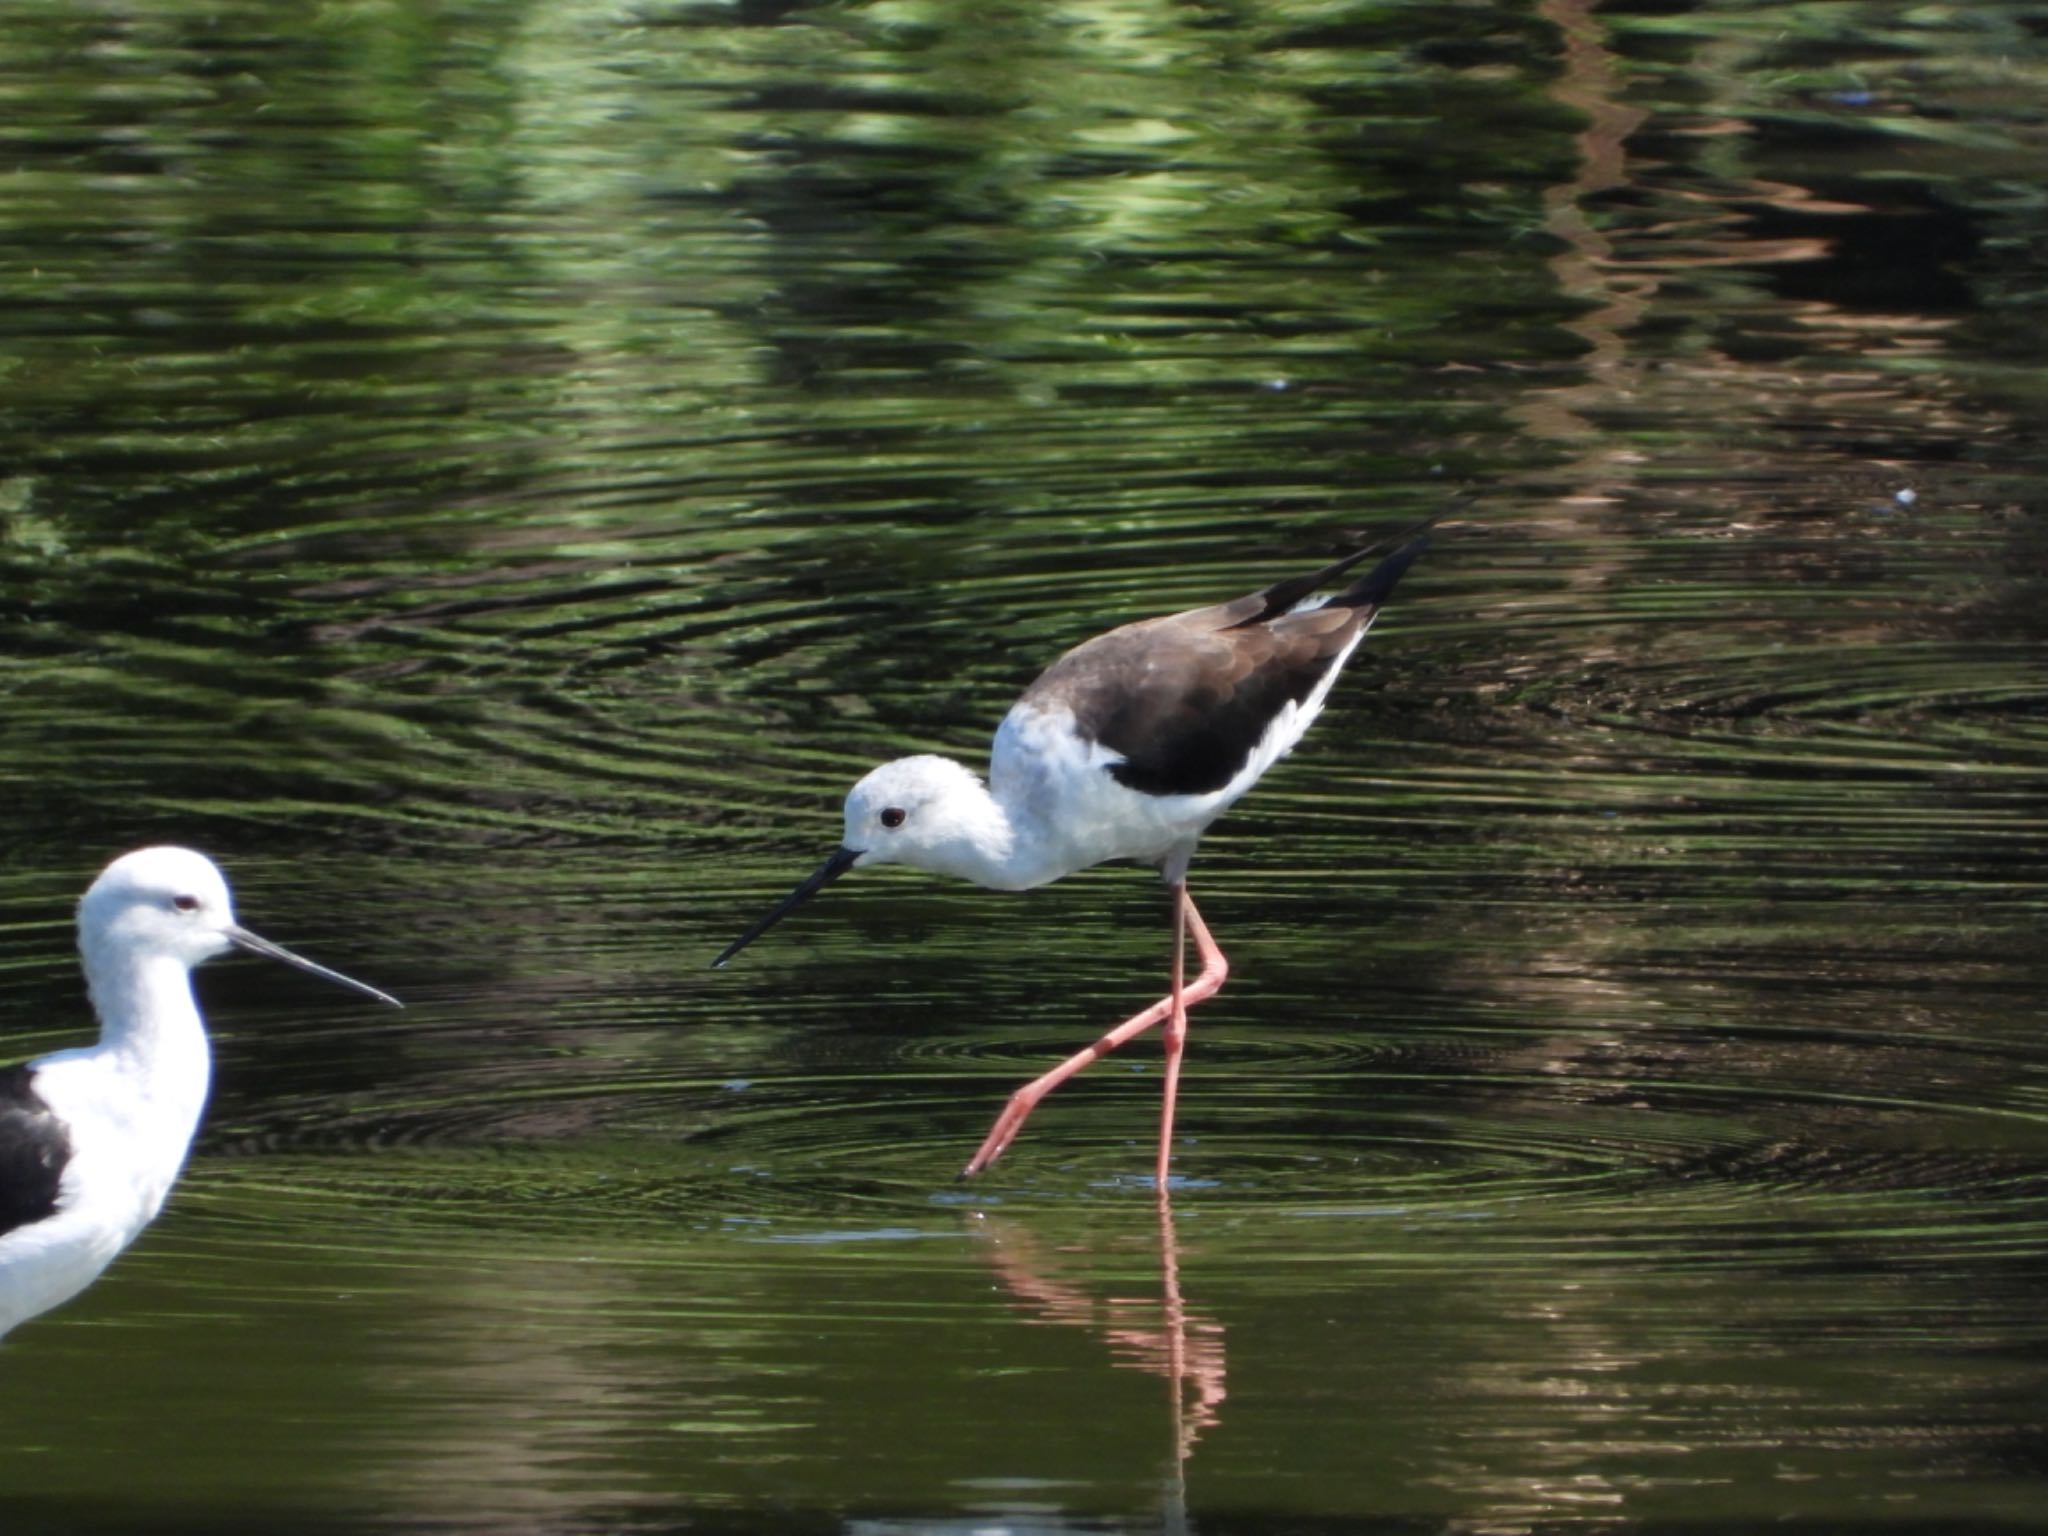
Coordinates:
x,y
91,1139
1127,747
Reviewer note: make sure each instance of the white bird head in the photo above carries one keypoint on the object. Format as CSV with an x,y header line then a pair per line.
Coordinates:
x,y
916,810
926,811
174,903
158,901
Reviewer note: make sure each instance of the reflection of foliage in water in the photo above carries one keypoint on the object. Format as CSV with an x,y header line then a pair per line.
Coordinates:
x,y
495,474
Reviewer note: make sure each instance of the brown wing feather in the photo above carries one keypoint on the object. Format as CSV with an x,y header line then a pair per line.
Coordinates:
x,y
1272,602
1183,701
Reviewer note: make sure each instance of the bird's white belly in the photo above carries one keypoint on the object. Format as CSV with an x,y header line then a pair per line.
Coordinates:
x,y
49,1262
129,1133
1059,786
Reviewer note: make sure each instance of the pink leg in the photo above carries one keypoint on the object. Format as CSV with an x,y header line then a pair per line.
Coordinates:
x,y
1175,1036
1173,1007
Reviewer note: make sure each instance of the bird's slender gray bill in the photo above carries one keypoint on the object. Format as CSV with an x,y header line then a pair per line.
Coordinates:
x,y
841,861
242,938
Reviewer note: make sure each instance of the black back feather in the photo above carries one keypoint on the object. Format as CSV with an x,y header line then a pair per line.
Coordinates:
x,y
34,1147
1184,700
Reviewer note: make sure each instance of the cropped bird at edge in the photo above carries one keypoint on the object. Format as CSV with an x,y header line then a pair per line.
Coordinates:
x,y
91,1139
1127,747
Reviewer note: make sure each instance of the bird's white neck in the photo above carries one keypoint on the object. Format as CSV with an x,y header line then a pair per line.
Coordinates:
x,y
129,1106
980,841
146,1008
987,839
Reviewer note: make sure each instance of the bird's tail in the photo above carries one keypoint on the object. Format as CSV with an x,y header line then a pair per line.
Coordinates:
x,y
1373,588
1369,590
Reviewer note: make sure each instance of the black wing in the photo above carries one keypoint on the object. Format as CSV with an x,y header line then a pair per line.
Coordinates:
x,y
1184,704
1264,606
34,1147
1196,728
1186,699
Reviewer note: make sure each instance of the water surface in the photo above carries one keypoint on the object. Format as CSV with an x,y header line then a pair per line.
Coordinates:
x,y
492,476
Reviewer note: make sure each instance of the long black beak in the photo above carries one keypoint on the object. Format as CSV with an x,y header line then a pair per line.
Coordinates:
x,y
242,938
840,862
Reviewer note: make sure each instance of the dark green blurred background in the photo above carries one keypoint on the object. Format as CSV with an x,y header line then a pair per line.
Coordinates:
x,y
493,474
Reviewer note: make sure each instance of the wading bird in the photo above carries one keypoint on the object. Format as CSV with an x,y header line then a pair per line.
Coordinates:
x,y
1127,747
91,1139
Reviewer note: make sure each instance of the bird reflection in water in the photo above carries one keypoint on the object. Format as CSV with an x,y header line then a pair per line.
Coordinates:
x,y
1163,1337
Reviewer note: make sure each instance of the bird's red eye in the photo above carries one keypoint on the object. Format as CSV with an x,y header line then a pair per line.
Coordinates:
x,y
185,903
892,818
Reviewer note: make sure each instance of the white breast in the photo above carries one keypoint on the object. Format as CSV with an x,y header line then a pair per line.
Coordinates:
x,y
130,1127
1059,792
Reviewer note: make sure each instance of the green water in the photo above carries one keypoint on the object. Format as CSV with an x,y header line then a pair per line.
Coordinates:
x,y
492,475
